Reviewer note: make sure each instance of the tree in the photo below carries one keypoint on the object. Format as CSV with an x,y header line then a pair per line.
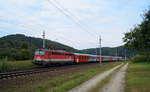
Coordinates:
x,y
139,37
24,45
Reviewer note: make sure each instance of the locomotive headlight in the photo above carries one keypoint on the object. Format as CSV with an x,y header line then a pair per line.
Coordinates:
x,y
38,59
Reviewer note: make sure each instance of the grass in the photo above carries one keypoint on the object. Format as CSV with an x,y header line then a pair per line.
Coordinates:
x,y
9,65
66,82
138,77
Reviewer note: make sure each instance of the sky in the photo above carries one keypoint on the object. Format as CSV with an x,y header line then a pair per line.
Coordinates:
x,y
81,25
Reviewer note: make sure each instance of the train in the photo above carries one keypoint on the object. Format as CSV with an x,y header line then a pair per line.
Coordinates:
x,y
50,57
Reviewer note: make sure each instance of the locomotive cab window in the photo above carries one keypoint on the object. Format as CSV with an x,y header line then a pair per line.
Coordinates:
x,y
39,52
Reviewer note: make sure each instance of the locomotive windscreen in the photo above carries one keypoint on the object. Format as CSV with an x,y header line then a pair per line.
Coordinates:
x,y
39,52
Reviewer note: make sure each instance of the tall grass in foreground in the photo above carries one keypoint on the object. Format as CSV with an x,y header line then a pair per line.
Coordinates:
x,y
138,77
140,58
66,82
4,65
9,65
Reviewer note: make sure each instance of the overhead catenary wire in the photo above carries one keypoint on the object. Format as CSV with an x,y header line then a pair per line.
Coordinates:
x,y
85,27
30,24
24,26
69,15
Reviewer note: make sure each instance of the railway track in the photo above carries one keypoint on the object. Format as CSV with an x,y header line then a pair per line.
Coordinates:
x,y
17,73
12,74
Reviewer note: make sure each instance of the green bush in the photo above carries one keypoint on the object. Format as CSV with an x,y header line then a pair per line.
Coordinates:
x,y
10,65
141,58
4,65
23,54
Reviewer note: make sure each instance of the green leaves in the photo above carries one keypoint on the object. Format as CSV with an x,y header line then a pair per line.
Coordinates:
x,y
139,37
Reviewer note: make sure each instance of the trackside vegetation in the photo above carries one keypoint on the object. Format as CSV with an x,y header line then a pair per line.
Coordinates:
x,y
66,81
138,74
11,65
138,77
141,58
139,39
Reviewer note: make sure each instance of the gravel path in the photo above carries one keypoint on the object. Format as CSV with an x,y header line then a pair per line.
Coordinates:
x,y
94,81
117,82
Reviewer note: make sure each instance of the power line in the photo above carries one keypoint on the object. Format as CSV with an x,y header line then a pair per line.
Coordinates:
x,y
24,26
73,16
69,15
20,25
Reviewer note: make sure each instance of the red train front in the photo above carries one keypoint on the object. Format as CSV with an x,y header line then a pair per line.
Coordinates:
x,y
44,57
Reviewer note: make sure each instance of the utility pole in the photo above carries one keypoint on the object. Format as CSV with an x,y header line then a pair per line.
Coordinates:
x,y
125,56
43,39
100,49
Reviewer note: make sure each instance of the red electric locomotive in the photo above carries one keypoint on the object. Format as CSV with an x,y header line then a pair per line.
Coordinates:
x,y
44,57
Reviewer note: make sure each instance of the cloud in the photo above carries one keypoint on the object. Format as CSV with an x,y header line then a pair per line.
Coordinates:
x,y
108,18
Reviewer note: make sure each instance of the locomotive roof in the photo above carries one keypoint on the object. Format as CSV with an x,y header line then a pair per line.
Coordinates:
x,y
84,54
55,50
77,53
95,55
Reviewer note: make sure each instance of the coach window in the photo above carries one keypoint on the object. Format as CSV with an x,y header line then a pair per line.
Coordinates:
x,y
66,54
80,57
49,53
55,53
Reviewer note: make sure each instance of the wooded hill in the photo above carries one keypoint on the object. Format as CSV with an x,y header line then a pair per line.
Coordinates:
x,y
20,47
15,41
114,51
